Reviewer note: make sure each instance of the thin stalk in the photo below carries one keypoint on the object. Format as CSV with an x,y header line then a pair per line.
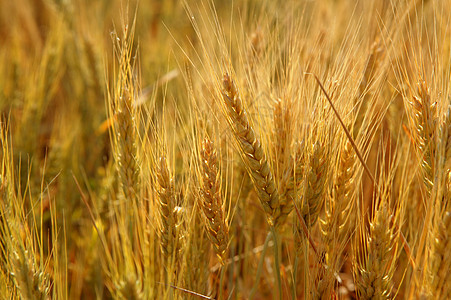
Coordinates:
x,y
277,260
231,272
221,281
260,266
306,263
295,271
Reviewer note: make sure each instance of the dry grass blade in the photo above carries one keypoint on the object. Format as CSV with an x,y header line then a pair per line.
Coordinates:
x,y
190,292
305,231
351,140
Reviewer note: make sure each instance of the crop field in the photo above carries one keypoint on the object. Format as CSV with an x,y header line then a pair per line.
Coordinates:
x,y
239,149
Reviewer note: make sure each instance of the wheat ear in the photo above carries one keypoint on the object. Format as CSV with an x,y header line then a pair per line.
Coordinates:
x,y
312,193
315,184
425,122
335,224
30,281
375,268
441,259
169,234
212,204
253,153
127,164
286,169
130,288
29,278
375,57
335,227
446,138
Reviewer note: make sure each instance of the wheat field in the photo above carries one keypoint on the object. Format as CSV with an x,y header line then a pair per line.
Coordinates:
x,y
245,149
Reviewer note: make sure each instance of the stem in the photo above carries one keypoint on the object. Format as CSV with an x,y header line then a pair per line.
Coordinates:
x,y
260,266
221,281
306,264
295,270
277,260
